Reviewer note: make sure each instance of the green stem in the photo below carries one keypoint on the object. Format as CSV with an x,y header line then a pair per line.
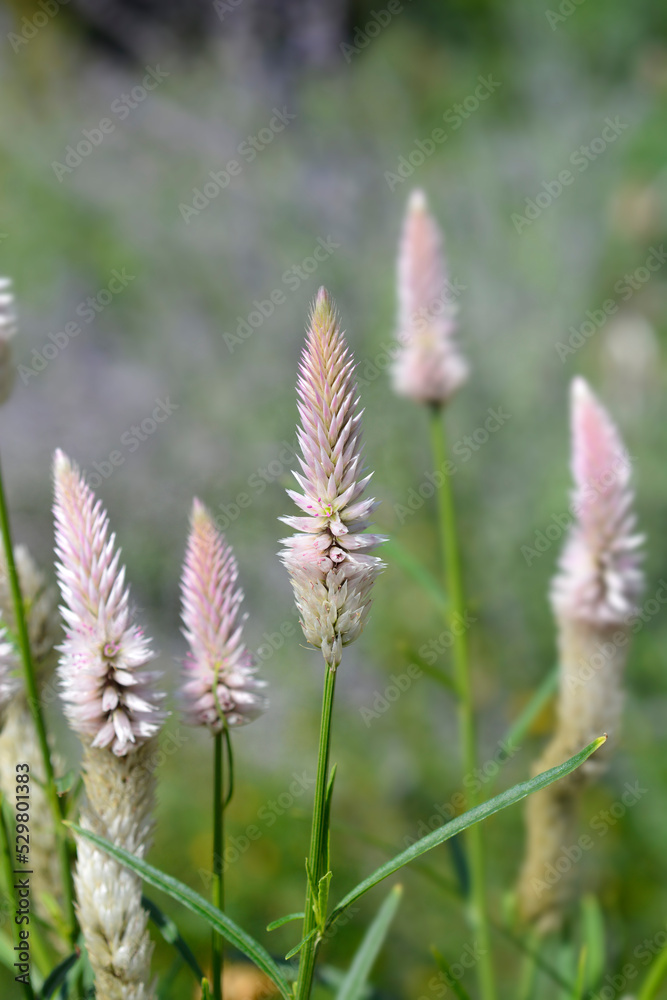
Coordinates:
x,y
38,719
317,841
8,870
454,587
218,894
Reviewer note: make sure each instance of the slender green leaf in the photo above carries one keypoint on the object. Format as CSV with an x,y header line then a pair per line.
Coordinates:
x,y
59,976
299,946
594,939
284,920
655,976
403,558
517,731
451,979
355,981
205,991
64,784
462,822
172,935
220,922
578,991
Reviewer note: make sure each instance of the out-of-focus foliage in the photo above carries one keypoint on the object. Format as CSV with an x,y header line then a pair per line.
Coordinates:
x,y
189,326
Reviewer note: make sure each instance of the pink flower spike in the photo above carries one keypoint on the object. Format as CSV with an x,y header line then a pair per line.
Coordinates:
x,y
599,579
110,699
329,562
428,366
218,673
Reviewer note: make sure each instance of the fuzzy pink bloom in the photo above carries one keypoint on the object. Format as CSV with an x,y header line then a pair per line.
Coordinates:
x,y
110,699
219,671
428,366
328,561
599,579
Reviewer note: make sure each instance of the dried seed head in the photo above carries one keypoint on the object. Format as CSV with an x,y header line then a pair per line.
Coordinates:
x,y
594,597
7,331
219,675
41,615
428,366
328,560
110,699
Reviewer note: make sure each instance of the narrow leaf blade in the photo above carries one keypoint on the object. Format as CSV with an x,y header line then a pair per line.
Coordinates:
x,y
462,822
275,924
219,921
56,979
356,979
172,935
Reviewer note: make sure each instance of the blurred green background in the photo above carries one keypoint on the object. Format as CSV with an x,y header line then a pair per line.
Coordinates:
x,y
171,333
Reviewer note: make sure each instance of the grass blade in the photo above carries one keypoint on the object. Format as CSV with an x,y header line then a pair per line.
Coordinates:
x,y
356,979
172,935
460,823
220,922
656,975
58,976
275,924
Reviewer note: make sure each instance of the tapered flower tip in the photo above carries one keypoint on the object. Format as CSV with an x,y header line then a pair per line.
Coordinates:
x,y
428,367
599,579
109,698
219,683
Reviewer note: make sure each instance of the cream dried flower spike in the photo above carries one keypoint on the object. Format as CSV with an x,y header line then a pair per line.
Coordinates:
x,y
594,597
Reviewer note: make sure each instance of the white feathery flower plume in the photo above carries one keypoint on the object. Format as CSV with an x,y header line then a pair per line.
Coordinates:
x,y
328,560
109,697
111,702
428,366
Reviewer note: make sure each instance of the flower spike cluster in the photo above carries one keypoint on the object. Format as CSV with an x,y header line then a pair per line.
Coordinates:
x,y
219,676
595,599
110,699
599,579
428,366
328,559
